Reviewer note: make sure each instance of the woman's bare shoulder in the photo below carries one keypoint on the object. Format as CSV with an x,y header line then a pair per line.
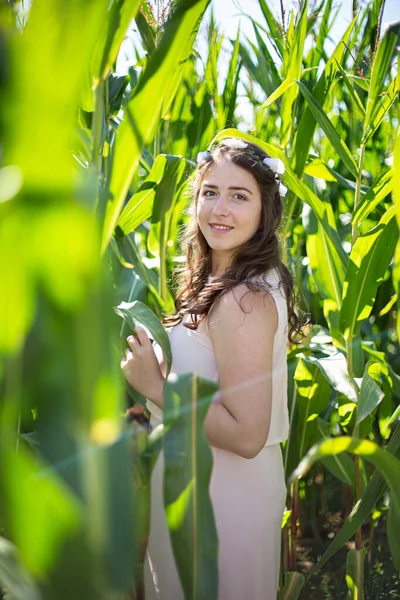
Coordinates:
x,y
241,306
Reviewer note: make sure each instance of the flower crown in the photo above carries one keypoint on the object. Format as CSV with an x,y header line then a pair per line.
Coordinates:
x,y
273,164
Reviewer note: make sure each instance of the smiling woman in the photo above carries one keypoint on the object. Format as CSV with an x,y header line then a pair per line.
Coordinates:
x,y
234,306
228,211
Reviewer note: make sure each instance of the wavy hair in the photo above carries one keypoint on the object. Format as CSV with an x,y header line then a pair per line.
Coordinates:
x,y
194,294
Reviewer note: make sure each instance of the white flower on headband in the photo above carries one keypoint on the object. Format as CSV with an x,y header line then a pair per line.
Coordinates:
x,y
282,190
234,143
275,164
202,156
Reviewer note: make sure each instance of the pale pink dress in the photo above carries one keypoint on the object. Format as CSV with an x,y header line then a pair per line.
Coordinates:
x,y
248,495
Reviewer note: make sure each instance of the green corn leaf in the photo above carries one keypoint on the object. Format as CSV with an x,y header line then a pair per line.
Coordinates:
x,y
321,118
351,89
334,369
285,85
317,168
370,395
125,247
153,447
112,464
211,69
320,92
396,280
323,31
55,46
140,205
187,472
369,259
252,68
361,37
292,68
313,395
340,465
328,270
396,197
137,313
396,179
380,357
154,92
230,108
201,129
146,450
329,130
154,197
143,19
82,143
289,40
387,465
378,191
265,58
260,71
331,314
393,418
180,208
388,307
58,513
374,490
164,203
274,27
116,23
232,79
380,67
362,82
382,107
294,583
18,286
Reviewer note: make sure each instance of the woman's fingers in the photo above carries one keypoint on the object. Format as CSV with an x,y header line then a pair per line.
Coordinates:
x,y
139,340
128,355
137,345
141,336
130,352
133,344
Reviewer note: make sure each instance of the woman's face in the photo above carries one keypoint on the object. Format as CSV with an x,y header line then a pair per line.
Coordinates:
x,y
229,195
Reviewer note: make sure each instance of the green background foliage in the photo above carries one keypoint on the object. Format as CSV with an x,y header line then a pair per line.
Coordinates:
x,y
93,195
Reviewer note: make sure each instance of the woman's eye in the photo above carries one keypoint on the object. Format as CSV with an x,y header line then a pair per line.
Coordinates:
x,y
211,193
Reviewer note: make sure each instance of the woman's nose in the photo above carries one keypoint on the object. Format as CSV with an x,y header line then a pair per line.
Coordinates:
x,y
221,206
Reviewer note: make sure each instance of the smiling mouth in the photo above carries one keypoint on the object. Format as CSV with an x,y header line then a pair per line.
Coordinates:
x,y
221,229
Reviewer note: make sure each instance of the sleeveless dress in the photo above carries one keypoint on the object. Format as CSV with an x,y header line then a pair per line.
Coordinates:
x,y
248,495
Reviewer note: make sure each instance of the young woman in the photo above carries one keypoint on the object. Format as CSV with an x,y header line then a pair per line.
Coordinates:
x,y
234,313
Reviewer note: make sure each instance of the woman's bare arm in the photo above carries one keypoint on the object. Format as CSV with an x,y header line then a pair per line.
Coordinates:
x,y
243,346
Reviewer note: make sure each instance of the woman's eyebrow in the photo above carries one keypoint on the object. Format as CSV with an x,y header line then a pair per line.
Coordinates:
x,y
214,187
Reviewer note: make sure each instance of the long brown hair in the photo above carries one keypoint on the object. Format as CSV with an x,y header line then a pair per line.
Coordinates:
x,y
195,295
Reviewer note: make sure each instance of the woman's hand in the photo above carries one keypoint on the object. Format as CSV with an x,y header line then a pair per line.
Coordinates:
x,y
140,365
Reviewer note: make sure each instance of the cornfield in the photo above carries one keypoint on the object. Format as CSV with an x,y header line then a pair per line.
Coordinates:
x,y
93,194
